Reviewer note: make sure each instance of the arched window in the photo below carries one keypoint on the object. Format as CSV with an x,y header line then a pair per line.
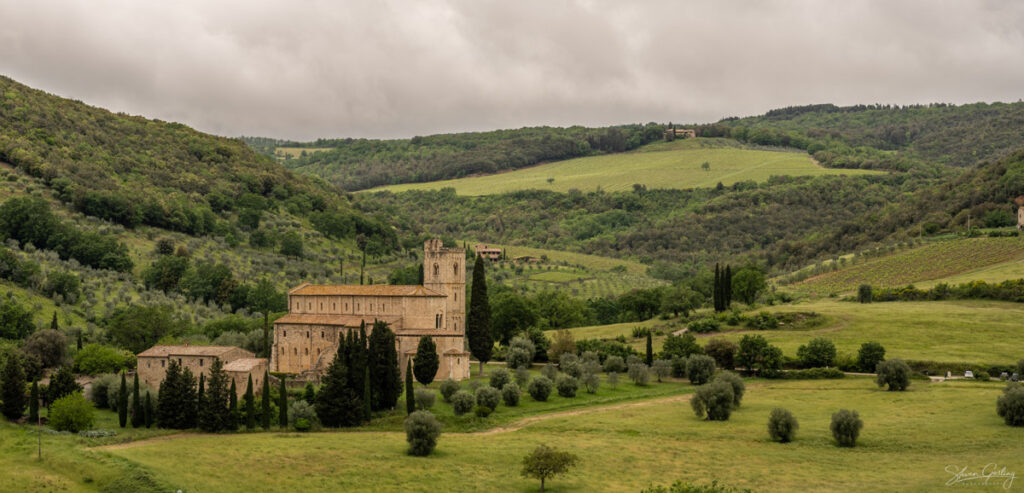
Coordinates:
x,y
437,270
306,350
296,351
455,268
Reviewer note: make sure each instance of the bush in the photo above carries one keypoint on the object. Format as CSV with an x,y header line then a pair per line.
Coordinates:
x,y
703,325
521,352
522,377
567,385
1010,405
94,359
662,369
103,391
818,353
813,374
482,411
982,375
488,396
700,368
591,381
869,356
723,351
639,374
570,365
713,401
545,462
782,425
48,345
500,378
448,389
71,413
894,373
764,321
846,426
614,364
425,399
540,388
734,380
864,293
679,367
510,394
613,379
300,411
550,371
588,357
680,346
422,431
462,402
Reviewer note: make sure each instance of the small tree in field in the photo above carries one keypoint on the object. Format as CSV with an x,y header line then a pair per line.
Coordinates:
x,y
699,368
545,462
71,413
782,425
12,392
639,374
894,373
662,368
846,426
818,353
1010,405
864,294
734,380
421,431
713,401
869,356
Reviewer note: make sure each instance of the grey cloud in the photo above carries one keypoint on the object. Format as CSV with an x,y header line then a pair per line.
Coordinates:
x,y
390,69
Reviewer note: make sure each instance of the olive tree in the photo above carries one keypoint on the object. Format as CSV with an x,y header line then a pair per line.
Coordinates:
x,y
699,368
545,462
782,425
422,431
846,426
713,401
894,373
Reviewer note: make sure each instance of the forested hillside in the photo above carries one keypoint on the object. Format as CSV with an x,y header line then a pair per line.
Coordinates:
x,y
356,164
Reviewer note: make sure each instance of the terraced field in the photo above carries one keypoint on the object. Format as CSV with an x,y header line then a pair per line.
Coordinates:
x,y
664,165
932,261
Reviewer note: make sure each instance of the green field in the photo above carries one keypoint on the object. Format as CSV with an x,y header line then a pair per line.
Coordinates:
x,y
665,165
939,260
997,273
592,262
297,151
908,440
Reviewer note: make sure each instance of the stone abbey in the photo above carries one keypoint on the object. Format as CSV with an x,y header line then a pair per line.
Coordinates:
x,y
306,339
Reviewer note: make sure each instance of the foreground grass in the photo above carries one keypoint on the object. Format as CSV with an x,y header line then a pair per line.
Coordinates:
x,y
667,165
908,440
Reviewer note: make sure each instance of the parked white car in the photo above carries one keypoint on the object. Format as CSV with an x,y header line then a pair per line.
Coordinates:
x,y
968,374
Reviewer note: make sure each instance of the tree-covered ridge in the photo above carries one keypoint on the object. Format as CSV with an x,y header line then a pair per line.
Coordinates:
x,y
356,164
886,136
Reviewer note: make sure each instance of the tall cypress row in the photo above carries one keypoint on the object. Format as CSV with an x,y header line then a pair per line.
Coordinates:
x,y
147,411
366,395
716,290
232,423
265,401
33,404
282,405
650,349
410,399
727,288
382,361
122,402
250,407
138,420
478,326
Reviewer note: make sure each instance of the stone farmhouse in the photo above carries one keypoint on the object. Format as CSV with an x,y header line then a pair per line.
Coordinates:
x,y
306,339
489,253
239,364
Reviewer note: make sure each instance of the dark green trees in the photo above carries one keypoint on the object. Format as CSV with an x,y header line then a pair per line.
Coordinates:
x,y
122,402
382,361
282,405
426,362
264,298
250,407
138,417
265,402
232,424
148,411
62,383
176,401
338,404
33,404
721,294
214,414
650,350
478,321
13,391
410,398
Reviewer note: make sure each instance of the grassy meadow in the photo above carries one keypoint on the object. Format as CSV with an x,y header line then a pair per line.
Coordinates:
x,y
908,441
675,164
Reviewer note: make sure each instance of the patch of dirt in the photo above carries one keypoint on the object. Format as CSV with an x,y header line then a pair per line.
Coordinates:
x,y
520,424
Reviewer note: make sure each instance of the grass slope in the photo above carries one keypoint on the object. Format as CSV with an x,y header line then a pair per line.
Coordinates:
x,y
627,448
662,165
932,261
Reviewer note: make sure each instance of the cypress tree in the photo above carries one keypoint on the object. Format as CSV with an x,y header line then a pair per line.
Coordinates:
x,y
336,404
425,363
362,267
138,420
213,409
716,291
189,400
727,288
250,407
232,423
478,327
282,405
167,399
265,401
382,361
650,350
122,402
202,392
367,414
13,391
147,411
410,399
53,322
79,345
310,394
33,404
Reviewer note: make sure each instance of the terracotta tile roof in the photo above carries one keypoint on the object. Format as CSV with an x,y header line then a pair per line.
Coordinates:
x,y
357,290
245,364
342,320
164,351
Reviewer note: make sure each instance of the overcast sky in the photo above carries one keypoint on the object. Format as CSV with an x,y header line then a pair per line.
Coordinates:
x,y
307,69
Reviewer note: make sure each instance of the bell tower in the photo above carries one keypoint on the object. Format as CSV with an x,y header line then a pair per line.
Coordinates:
x,y
444,271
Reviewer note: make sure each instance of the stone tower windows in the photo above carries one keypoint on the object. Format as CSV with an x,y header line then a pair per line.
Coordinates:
x,y
455,269
437,270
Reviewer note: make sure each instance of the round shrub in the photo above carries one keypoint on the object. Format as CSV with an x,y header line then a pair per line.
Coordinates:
x,y
462,402
521,351
679,367
713,401
448,389
869,356
425,399
699,368
662,368
782,425
103,391
982,375
550,372
303,424
488,396
723,351
632,360
71,413
590,357
1010,405
764,321
421,431
639,374
894,373
301,411
613,379
482,411
818,353
846,426
522,377
540,388
500,377
591,381
570,365
703,325
734,380
567,385
510,394
614,364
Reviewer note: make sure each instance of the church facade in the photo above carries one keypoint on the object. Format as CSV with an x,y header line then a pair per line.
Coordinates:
x,y
306,339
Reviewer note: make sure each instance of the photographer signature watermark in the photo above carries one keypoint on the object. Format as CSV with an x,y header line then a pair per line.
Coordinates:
x,y
990,475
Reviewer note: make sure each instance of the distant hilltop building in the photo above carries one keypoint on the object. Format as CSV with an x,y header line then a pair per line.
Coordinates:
x,y
489,253
306,339
1020,212
680,133
239,364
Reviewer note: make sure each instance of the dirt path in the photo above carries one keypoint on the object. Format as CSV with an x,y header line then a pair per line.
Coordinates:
x,y
137,443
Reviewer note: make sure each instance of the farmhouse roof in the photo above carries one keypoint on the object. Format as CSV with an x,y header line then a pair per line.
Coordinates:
x,y
164,351
362,290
